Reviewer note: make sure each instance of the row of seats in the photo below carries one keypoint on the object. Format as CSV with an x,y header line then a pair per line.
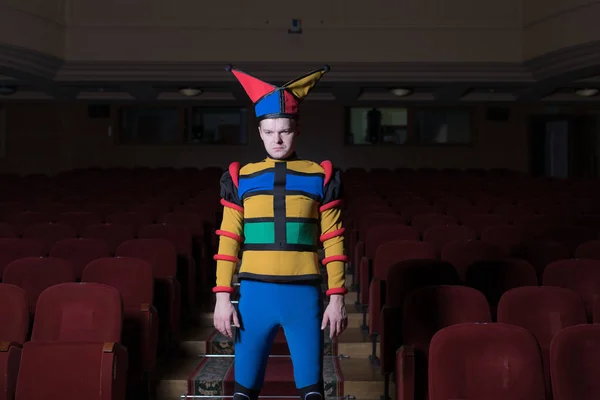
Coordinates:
x,y
92,226
75,350
502,361
116,231
544,312
143,272
397,196
493,233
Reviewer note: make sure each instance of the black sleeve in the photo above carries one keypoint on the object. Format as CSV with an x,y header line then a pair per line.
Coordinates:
x,y
228,190
334,189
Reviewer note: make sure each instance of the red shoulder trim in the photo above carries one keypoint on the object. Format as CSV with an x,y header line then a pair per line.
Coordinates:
x,y
328,167
234,171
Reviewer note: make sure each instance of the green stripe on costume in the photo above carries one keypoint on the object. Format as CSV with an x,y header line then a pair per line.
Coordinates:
x,y
301,233
259,233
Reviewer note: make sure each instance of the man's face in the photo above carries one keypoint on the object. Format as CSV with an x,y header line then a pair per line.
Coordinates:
x,y
278,136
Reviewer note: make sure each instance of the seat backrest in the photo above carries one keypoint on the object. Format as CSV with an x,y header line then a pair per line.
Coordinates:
x,y
462,253
431,308
410,211
112,233
79,219
14,314
130,218
540,253
49,233
491,361
493,278
589,249
440,236
580,275
36,274
408,275
393,230
80,252
479,222
12,249
179,235
194,222
131,276
79,312
575,362
367,221
159,253
571,236
509,237
422,222
395,251
544,311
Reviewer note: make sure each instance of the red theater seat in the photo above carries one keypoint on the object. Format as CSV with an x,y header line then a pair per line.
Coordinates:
x,y
543,311
162,256
36,274
14,327
74,352
575,362
133,278
485,361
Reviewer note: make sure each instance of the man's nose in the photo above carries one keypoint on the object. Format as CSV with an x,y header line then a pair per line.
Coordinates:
x,y
278,139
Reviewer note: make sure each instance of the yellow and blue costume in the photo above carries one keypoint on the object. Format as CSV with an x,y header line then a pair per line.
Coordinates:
x,y
278,212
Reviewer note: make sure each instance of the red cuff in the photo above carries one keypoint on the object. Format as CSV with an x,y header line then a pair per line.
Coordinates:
x,y
329,259
226,203
231,235
225,257
341,291
222,289
332,234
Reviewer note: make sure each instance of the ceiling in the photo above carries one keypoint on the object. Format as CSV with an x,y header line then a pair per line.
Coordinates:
x,y
552,77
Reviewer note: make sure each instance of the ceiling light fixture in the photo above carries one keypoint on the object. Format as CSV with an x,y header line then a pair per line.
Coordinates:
x,y
401,92
587,92
190,92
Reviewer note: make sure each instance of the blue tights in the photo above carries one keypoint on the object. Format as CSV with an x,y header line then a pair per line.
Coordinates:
x,y
262,308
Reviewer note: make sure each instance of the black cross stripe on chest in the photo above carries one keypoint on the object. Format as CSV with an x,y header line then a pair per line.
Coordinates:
x,y
279,209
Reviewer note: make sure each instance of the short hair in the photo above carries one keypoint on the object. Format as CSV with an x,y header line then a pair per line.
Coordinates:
x,y
295,126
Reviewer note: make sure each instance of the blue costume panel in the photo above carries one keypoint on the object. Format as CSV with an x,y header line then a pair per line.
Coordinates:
x,y
298,309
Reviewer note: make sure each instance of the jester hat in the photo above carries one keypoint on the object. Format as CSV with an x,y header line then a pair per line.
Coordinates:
x,y
271,101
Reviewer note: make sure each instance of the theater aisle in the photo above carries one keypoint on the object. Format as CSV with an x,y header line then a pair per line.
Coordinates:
x,y
347,370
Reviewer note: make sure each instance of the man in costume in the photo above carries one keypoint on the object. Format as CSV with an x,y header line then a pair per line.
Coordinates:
x,y
277,211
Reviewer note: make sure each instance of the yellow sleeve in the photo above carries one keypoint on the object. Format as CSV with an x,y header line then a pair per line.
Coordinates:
x,y
230,234
332,235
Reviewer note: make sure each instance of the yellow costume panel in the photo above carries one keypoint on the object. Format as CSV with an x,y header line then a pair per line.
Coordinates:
x,y
279,212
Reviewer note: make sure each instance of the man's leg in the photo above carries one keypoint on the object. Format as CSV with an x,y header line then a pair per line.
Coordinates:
x,y
301,322
254,338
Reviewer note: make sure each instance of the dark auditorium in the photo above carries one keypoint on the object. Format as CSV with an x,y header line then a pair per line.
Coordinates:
x,y
324,200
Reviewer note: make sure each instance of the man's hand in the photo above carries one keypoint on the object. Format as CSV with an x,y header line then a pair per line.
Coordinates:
x,y
335,315
225,314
